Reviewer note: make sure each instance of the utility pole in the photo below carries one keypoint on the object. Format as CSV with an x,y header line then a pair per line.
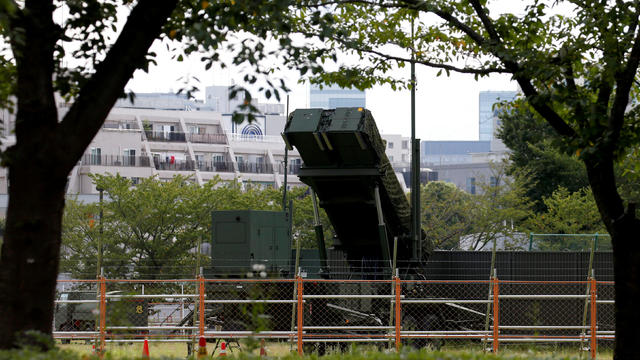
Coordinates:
x,y
416,232
99,265
286,160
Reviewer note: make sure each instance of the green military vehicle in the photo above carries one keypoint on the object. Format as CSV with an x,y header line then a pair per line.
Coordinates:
x,y
73,315
77,311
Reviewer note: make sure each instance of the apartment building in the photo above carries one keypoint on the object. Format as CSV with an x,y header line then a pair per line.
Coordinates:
x,y
139,143
144,142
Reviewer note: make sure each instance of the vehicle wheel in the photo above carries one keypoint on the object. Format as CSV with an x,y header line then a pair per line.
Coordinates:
x,y
65,327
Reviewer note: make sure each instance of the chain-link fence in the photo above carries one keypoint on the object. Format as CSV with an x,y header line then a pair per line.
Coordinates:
x,y
320,314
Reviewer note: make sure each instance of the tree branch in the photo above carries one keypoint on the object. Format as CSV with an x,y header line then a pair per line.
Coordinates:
x,y
624,82
99,94
484,17
524,81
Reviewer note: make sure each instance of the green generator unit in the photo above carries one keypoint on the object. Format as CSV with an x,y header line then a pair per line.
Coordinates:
x,y
250,243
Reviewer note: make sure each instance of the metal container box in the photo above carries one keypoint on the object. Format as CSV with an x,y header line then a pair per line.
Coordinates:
x,y
245,240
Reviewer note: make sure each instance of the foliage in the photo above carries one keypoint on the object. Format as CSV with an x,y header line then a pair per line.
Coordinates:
x,y
568,213
446,214
151,230
450,215
499,210
536,161
303,219
629,176
534,158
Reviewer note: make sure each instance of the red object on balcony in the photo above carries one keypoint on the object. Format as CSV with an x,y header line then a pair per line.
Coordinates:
x,y
173,160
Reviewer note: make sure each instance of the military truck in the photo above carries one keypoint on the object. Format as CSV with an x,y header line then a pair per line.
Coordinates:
x,y
73,314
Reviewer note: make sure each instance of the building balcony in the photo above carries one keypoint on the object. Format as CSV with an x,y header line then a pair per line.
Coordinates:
x,y
216,166
115,160
176,165
256,138
171,136
121,125
208,138
291,169
255,168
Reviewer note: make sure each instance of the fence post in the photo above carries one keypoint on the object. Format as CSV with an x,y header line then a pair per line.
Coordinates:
x,y
201,304
496,313
398,311
300,314
103,313
594,317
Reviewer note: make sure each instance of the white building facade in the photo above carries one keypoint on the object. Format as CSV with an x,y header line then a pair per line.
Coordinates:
x,y
141,142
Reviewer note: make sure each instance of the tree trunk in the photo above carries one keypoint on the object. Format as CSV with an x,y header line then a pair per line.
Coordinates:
x,y
626,259
30,253
624,229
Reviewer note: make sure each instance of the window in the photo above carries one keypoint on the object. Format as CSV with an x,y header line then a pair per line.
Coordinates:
x,y
219,162
96,156
404,157
294,166
390,145
405,144
218,158
471,185
129,158
391,158
135,180
493,181
200,161
167,130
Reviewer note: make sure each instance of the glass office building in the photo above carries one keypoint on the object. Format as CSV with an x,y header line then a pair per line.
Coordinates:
x,y
487,113
331,97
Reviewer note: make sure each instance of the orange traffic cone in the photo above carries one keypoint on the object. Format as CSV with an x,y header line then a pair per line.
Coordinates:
x,y
223,349
202,348
145,349
263,350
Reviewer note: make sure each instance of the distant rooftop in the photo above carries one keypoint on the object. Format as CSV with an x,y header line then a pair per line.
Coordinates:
x,y
454,147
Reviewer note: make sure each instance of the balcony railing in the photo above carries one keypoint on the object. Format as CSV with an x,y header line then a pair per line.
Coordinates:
x,y
208,138
216,166
256,168
291,169
122,125
171,136
115,160
176,165
256,138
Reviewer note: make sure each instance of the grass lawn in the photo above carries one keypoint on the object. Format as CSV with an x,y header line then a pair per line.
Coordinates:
x,y
282,349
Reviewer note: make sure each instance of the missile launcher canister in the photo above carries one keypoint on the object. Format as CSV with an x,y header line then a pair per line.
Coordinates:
x,y
345,164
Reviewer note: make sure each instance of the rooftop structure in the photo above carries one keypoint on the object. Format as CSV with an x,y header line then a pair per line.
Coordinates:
x,y
332,97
